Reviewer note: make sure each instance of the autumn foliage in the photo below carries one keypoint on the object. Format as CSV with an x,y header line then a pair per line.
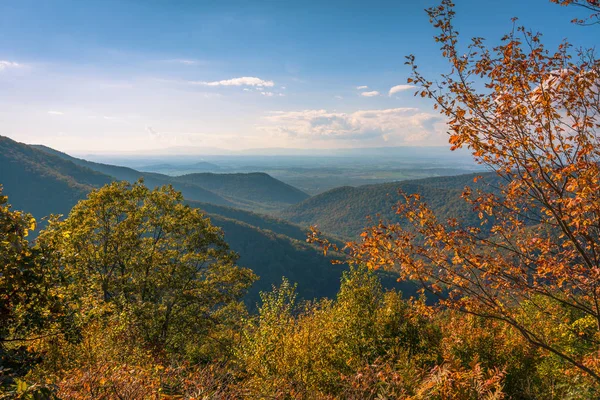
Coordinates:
x,y
135,295
592,6
533,116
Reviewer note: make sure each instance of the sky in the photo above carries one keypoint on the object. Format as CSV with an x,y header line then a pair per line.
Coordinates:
x,y
139,75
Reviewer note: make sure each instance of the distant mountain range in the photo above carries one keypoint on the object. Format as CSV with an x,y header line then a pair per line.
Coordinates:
x,y
254,191
169,169
392,151
43,181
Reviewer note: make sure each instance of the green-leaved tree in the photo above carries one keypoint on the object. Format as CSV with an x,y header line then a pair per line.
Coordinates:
x,y
142,254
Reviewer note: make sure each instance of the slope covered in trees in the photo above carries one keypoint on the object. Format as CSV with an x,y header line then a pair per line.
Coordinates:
x,y
251,191
41,183
189,191
344,211
261,221
49,182
257,187
272,256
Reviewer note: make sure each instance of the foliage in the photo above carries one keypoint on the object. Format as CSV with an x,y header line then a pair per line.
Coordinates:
x,y
531,116
590,5
28,306
144,254
137,295
299,350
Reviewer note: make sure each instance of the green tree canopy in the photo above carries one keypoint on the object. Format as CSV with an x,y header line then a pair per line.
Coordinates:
x,y
144,254
27,302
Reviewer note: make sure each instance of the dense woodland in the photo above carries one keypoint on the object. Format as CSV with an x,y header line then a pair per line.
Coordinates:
x,y
347,211
151,286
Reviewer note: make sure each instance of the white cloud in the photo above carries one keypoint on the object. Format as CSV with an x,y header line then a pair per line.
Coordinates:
x,y
184,61
362,87
243,81
395,125
268,94
56,113
370,94
400,88
8,64
338,97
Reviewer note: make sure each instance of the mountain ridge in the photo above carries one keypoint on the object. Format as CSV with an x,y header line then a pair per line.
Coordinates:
x,y
261,241
251,191
345,211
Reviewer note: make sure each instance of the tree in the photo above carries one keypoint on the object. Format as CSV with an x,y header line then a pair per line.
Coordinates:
x,y
532,116
27,303
146,255
590,5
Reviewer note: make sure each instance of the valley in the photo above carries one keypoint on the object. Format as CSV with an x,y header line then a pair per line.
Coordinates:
x,y
264,219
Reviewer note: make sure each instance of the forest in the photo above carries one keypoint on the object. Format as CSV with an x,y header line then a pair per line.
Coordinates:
x,y
136,292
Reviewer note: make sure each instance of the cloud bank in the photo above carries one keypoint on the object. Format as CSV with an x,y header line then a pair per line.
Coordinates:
x,y
394,126
243,81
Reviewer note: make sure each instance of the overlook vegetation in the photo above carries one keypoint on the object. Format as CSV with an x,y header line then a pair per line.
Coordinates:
x,y
138,291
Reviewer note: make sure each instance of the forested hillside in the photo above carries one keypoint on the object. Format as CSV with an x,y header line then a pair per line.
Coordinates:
x,y
344,211
259,188
272,256
41,183
251,191
50,182
192,192
262,221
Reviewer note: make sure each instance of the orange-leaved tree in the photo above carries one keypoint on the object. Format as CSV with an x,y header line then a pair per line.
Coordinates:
x,y
532,116
591,5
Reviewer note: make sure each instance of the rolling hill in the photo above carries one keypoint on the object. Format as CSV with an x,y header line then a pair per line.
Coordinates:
x,y
247,188
344,211
262,221
192,192
250,191
45,181
42,183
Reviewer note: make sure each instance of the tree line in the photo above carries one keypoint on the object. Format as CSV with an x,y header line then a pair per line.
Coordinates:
x,y
136,295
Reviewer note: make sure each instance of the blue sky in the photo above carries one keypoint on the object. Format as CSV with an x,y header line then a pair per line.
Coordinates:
x,y
136,75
